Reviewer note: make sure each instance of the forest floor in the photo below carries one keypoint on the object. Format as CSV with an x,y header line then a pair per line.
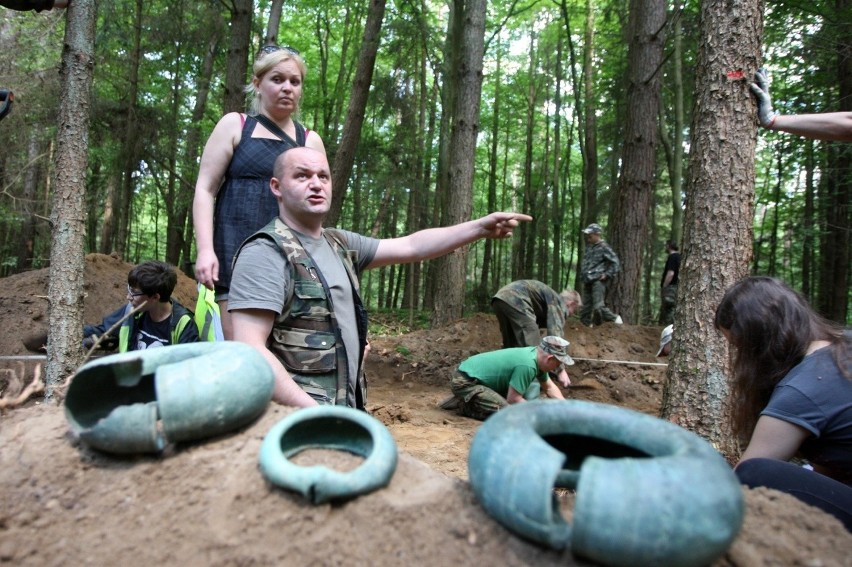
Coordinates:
x,y
205,503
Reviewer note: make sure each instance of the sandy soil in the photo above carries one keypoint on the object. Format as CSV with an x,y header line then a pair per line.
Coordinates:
x,y
205,503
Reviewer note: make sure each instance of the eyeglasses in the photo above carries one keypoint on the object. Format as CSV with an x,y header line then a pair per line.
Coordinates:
x,y
267,49
132,293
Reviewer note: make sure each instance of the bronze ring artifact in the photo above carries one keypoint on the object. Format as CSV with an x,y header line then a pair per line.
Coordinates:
x,y
648,492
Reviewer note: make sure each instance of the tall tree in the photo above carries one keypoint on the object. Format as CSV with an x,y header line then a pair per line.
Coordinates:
x,y
178,243
121,188
673,144
335,41
523,263
720,195
274,22
450,270
808,222
483,294
344,157
585,107
836,249
130,143
628,226
236,72
28,214
556,263
65,290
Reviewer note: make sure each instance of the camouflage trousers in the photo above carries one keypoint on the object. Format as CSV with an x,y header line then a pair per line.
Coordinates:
x,y
595,311
518,329
668,301
476,400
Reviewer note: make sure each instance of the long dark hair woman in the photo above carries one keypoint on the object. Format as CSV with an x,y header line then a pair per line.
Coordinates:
x,y
791,394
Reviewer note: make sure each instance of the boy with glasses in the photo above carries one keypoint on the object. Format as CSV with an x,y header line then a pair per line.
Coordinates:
x,y
149,319
158,321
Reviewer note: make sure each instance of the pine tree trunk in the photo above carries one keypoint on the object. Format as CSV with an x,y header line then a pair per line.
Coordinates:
x,y
274,22
65,290
450,270
484,292
130,140
26,241
836,256
586,110
525,261
179,245
236,71
808,223
720,196
344,158
557,213
628,227
676,172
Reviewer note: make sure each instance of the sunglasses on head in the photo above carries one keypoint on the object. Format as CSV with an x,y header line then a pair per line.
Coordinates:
x,y
267,49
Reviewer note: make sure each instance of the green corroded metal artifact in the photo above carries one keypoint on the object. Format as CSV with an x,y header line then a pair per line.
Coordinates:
x,y
647,491
328,427
138,401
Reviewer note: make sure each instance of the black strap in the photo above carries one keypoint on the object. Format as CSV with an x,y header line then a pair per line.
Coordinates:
x,y
273,127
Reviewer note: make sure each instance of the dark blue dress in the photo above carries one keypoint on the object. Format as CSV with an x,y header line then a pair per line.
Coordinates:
x,y
245,203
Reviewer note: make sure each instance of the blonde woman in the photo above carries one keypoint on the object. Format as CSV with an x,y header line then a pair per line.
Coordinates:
x,y
232,195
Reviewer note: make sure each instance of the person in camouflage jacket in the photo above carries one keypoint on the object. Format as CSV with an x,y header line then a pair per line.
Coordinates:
x,y
525,306
600,266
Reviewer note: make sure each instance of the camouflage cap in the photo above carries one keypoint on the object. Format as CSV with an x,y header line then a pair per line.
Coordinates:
x,y
593,228
665,338
558,347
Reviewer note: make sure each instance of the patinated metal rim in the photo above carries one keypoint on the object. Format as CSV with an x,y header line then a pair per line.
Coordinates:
x,y
647,491
140,401
328,427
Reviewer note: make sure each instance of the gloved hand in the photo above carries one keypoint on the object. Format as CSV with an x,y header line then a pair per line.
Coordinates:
x,y
766,115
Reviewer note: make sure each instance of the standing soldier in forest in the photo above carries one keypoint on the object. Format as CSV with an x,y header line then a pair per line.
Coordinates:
x,y
600,266
668,285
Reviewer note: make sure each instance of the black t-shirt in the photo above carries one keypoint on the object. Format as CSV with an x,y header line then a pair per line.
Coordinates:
x,y
151,334
816,396
673,264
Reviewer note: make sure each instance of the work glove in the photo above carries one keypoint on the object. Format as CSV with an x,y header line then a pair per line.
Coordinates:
x,y
766,115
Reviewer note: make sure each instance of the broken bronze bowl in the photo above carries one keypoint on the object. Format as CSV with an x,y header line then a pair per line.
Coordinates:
x,y
648,492
139,401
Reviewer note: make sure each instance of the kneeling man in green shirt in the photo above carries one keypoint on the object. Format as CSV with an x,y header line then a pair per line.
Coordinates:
x,y
488,382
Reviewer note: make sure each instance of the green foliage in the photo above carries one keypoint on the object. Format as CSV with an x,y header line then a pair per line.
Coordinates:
x,y
139,138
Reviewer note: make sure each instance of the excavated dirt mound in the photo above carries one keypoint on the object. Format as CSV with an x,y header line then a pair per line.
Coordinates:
x,y
206,503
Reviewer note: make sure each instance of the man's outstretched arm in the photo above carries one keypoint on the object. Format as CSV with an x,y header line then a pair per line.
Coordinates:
x,y
834,126
433,242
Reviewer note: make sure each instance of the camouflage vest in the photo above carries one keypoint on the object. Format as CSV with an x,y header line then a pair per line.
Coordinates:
x,y
306,337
